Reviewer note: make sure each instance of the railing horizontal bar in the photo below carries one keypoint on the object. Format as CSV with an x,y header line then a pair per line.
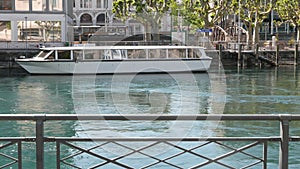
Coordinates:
x,y
138,117
295,138
163,139
15,139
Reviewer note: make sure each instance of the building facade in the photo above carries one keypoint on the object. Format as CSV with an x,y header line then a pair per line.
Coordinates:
x,y
95,17
62,21
36,20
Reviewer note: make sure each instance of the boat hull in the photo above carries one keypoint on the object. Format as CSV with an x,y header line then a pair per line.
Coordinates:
x,y
115,66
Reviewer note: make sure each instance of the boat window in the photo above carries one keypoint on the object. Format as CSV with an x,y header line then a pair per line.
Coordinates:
x,y
197,53
64,54
136,53
124,54
77,54
194,53
158,53
42,54
106,55
116,54
91,54
174,53
52,55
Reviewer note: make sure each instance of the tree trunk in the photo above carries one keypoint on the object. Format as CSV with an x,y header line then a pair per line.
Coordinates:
x,y
298,33
250,34
256,33
147,35
155,31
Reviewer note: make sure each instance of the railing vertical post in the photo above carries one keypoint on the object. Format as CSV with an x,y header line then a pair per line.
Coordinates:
x,y
284,144
57,154
265,158
19,154
40,142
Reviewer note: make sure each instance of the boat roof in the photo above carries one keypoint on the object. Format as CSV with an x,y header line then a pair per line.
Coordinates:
x,y
89,47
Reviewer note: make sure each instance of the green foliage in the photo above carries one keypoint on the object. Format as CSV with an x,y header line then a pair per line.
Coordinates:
x,y
147,12
125,9
291,42
252,13
289,10
204,13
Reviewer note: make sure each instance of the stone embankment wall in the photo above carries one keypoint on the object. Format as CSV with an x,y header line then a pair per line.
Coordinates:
x,y
8,67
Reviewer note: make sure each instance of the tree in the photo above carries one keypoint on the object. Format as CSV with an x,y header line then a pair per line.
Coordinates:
x,y
289,10
46,26
147,12
204,13
252,13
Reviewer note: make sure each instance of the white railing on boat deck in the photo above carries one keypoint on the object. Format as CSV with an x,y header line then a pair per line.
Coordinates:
x,y
130,52
284,138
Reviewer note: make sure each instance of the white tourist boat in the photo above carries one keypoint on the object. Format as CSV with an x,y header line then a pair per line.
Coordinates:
x,y
88,59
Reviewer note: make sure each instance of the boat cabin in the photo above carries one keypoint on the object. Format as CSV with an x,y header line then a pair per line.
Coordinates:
x,y
120,53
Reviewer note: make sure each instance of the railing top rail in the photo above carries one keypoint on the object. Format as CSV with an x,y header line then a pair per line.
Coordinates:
x,y
163,139
150,117
145,47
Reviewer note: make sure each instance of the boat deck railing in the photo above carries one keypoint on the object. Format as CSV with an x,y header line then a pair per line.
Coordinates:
x,y
182,149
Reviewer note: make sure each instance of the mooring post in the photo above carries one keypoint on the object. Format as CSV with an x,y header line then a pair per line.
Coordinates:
x,y
239,55
296,54
277,55
40,142
244,58
220,53
9,65
256,54
284,142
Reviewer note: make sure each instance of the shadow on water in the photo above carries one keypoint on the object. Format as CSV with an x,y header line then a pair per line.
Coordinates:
x,y
9,68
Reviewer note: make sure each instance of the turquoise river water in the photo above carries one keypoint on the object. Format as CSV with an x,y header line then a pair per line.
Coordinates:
x,y
249,91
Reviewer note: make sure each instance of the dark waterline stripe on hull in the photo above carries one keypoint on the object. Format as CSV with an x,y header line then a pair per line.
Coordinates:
x,y
82,74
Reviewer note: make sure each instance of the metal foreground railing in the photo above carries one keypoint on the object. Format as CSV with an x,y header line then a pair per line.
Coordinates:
x,y
181,148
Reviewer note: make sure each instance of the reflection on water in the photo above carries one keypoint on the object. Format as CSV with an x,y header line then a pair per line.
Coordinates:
x,y
141,94
271,91
32,95
38,94
264,92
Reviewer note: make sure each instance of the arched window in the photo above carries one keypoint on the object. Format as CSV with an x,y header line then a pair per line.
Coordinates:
x,y
86,19
101,19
